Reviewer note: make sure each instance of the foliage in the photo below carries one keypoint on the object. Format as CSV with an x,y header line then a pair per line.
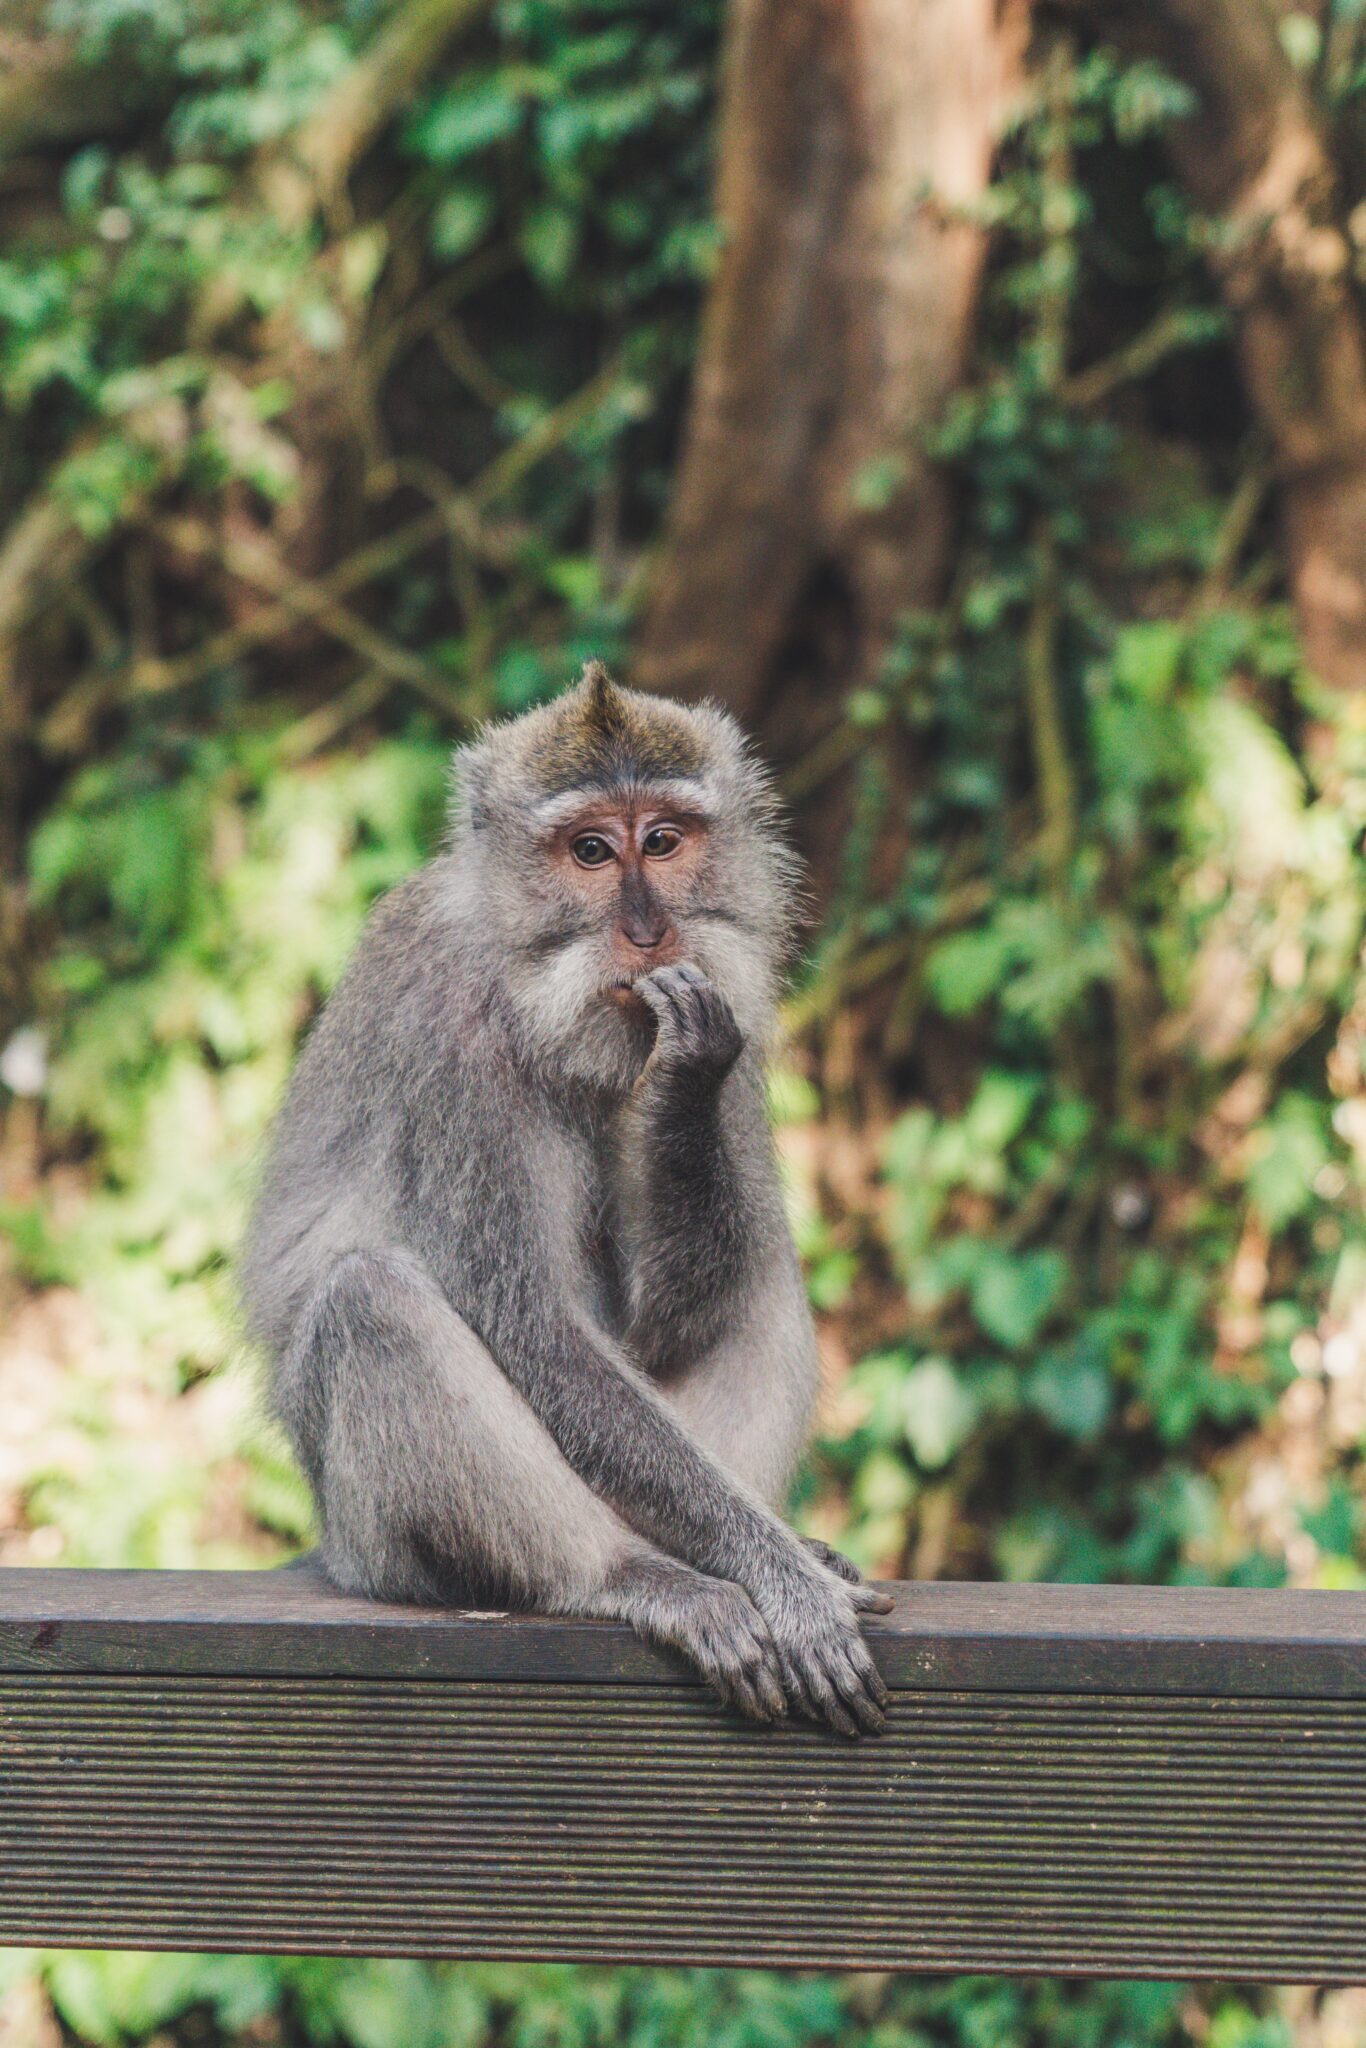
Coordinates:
x,y
376,2005
1131,914
352,476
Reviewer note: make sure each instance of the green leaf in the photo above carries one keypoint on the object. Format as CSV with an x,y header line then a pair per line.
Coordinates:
x,y
1147,658
1148,99
831,1280
521,679
460,219
964,970
876,485
885,1485
940,1412
1073,1391
1335,1524
549,241
999,1110
1289,1153
1012,1297
466,119
1301,39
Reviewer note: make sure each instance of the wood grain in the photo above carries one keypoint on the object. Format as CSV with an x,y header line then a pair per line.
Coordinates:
x,y
1075,1779
1010,1638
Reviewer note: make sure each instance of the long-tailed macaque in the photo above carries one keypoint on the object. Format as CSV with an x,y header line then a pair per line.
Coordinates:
x,y
520,1260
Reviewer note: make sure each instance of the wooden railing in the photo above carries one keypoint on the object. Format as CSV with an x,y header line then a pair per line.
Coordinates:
x,y
1117,1782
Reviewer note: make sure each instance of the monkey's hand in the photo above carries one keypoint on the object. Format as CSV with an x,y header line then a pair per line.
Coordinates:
x,y
697,1034
843,1567
813,1618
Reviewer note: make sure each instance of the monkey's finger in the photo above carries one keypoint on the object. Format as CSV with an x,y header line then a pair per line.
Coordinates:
x,y
831,1707
871,1720
742,1654
863,1687
651,990
700,1013
767,1682
755,1657
743,1689
670,1010
764,1669
818,1696
867,1716
870,1600
740,1695
872,1679
665,984
798,1692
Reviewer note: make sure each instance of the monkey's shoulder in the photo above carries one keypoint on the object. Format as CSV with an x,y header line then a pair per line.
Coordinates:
x,y
411,970
413,923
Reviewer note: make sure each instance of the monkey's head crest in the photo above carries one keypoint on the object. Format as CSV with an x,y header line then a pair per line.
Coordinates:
x,y
597,737
601,704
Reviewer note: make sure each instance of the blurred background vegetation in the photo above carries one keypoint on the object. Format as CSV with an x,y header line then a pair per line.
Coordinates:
x,y
973,396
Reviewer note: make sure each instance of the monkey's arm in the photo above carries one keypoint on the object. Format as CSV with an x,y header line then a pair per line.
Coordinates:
x,y
623,1440
704,1216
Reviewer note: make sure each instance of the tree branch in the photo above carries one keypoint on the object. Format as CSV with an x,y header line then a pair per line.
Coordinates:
x,y
252,562
45,547
69,718
49,96
321,155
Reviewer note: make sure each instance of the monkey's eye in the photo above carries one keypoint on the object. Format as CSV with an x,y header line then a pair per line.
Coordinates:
x,y
590,850
663,840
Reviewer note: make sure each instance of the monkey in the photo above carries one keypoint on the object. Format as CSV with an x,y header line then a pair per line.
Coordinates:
x,y
519,1260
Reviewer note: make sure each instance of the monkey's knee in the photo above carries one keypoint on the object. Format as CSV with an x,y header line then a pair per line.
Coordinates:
x,y
322,1354
363,1285
349,1392
434,1480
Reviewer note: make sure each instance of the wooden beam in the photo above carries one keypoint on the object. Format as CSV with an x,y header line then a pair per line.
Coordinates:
x,y
1086,1780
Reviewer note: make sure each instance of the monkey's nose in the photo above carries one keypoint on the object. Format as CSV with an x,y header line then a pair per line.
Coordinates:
x,y
643,917
658,941
647,935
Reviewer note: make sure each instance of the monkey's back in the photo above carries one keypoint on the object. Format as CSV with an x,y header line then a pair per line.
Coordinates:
x,y
330,1180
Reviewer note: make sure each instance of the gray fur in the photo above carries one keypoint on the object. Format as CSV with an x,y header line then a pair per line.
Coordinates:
x,y
519,1261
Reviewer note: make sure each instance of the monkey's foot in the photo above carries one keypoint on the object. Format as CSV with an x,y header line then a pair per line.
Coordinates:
x,y
711,1622
813,1617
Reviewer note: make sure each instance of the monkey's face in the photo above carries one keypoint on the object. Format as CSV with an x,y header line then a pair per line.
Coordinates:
x,y
631,869
611,835
619,883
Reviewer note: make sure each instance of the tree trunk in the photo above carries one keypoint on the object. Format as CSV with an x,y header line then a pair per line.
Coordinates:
x,y
1255,155
854,140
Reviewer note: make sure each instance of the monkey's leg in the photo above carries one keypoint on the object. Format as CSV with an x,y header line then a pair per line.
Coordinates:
x,y
749,1403
436,1481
